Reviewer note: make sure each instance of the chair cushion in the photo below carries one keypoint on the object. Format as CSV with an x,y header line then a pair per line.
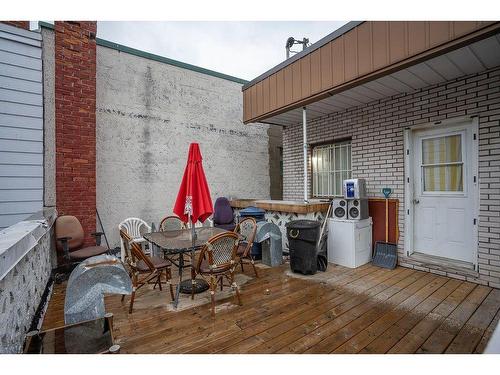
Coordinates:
x,y
157,262
241,248
205,268
69,226
223,212
87,252
229,227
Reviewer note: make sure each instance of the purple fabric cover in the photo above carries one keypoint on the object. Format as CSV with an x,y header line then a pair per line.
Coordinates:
x,y
229,227
223,212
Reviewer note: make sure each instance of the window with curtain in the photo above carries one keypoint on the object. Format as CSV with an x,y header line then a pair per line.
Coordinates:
x,y
442,164
331,164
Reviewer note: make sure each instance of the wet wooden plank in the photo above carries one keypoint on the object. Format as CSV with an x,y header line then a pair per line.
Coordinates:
x,y
387,300
259,325
188,328
416,303
278,336
256,323
444,335
487,333
345,315
408,334
472,332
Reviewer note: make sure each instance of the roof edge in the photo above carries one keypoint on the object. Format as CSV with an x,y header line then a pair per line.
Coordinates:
x,y
152,56
19,31
320,43
45,25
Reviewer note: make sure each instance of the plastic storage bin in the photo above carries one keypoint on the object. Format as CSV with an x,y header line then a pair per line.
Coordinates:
x,y
255,212
259,215
303,236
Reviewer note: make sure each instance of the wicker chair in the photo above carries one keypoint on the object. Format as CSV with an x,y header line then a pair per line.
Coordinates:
x,y
216,263
171,223
246,228
143,269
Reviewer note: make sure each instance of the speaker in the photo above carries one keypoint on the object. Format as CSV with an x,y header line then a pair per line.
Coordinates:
x,y
339,208
355,188
357,209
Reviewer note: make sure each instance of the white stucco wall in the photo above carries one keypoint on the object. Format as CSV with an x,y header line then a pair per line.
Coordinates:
x,y
147,114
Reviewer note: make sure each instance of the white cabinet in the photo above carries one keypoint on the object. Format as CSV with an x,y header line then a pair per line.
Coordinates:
x,y
350,242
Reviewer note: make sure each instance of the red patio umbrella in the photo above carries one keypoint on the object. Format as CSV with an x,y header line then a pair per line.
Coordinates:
x,y
193,200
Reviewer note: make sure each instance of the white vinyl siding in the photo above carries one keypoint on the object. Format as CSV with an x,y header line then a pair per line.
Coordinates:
x,y
331,164
21,124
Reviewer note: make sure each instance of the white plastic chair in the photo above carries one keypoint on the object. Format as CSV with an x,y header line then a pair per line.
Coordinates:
x,y
134,228
206,224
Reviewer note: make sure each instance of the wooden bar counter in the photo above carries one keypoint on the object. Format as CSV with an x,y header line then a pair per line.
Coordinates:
x,y
298,207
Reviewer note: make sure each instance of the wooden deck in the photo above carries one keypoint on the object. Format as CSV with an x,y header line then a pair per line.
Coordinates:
x,y
366,310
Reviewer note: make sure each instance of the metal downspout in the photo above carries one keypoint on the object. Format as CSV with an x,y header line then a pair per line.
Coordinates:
x,y
304,131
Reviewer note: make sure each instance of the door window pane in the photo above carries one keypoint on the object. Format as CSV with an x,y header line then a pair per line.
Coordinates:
x,y
441,150
442,165
443,178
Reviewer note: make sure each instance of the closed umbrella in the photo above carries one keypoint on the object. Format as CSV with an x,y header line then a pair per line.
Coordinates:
x,y
193,201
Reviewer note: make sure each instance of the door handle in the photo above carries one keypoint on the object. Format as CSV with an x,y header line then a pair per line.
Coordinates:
x,y
416,201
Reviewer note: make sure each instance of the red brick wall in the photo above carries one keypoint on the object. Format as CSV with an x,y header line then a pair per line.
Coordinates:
x,y
75,103
22,24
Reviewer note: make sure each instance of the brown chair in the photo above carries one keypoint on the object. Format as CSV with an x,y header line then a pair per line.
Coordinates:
x,y
246,228
174,223
143,269
217,261
171,223
69,235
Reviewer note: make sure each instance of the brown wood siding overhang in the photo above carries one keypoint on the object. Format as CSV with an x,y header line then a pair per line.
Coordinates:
x,y
360,53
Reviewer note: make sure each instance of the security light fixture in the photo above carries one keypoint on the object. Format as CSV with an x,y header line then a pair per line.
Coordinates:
x,y
290,42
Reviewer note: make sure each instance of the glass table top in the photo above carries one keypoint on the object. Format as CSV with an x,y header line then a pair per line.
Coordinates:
x,y
91,337
181,240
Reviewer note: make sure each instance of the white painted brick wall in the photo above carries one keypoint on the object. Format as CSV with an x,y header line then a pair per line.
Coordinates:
x,y
377,150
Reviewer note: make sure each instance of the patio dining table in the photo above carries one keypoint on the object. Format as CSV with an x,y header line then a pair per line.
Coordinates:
x,y
180,242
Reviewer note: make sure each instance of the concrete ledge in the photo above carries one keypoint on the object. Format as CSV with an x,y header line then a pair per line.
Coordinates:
x,y
440,266
27,258
18,239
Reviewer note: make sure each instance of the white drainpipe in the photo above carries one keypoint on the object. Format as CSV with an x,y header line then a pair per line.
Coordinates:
x,y
304,131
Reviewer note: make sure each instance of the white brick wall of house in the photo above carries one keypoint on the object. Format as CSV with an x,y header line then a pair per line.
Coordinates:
x,y
376,132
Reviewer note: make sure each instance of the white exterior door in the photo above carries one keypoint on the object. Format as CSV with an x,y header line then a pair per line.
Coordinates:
x,y
445,192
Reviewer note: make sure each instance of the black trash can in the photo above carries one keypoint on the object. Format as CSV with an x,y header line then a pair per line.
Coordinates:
x,y
259,215
303,236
